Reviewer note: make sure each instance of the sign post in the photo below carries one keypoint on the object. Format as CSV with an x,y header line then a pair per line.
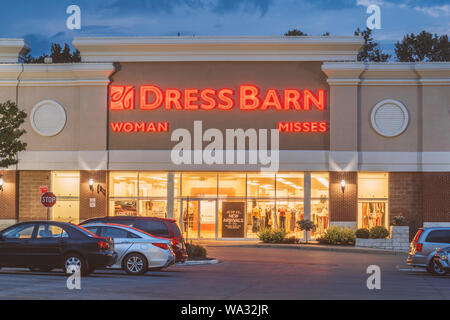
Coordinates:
x,y
48,199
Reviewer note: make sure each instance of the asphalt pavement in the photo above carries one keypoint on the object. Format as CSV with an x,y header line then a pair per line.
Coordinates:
x,y
244,273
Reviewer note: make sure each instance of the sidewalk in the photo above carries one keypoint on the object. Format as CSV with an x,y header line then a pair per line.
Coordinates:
x,y
311,246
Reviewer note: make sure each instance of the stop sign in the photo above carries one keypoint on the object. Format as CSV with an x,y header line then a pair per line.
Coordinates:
x,y
48,199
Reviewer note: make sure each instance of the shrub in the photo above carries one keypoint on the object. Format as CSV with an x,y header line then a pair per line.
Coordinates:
x,y
398,221
265,235
272,236
278,236
362,233
339,235
195,251
306,225
379,232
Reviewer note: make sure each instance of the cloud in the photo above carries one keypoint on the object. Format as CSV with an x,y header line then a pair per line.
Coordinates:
x,y
367,3
435,11
166,6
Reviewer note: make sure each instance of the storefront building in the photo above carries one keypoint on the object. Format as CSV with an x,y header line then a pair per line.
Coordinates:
x,y
358,142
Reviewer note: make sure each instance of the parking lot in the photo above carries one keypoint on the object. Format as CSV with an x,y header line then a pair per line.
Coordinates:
x,y
244,273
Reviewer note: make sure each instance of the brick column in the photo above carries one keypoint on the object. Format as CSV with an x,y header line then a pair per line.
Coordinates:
x,y
436,198
86,195
343,206
405,196
30,207
8,199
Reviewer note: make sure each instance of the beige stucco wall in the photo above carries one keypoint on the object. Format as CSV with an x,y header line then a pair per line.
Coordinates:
x,y
436,118
408,141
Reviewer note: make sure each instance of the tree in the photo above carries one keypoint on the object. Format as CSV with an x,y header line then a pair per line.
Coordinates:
x,y
371,50
11,118
423,47
295,32
58,55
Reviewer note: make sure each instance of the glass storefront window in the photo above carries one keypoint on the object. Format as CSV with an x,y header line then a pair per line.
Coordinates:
x,y
290,185
153,208
373,199
66,187
260,215
261,185
290,211
199,185
152,184
232,185
123,184
319,202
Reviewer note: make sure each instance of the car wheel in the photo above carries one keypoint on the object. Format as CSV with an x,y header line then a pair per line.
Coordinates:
x,y
135,264
41,269
437,268
74,262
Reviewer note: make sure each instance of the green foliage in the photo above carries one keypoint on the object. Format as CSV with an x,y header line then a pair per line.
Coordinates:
x,y
11,118
195,251
339,235
399,221
423,47
370,50
306,225
58,55
295,32
379,232
362,233
268,235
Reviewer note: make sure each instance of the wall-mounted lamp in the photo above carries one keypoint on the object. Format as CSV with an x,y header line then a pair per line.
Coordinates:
x,y
100,189
1,182
91,185
343,186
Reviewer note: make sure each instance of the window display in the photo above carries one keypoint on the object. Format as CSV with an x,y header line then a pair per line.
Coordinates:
x,y
373,199
319,202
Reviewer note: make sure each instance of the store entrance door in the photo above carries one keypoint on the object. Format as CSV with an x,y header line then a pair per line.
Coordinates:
x,y
199,219
207,219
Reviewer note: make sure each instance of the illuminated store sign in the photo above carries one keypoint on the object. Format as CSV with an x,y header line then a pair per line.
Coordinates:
x,y
248,97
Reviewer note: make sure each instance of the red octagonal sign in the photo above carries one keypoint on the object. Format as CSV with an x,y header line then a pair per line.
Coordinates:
x,y
48,199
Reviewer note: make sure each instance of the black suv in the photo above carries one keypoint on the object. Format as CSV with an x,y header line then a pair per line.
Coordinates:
x,y
158,227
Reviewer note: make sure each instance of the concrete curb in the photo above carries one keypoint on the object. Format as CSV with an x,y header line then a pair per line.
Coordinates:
x,y
312,247
198,262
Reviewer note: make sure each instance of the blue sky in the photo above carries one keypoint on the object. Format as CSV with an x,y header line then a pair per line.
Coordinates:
x,y
42,22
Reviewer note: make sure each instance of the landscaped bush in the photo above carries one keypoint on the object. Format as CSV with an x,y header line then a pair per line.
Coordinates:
x,y
338,235
379,232
399,221
195,251
362,233
272,236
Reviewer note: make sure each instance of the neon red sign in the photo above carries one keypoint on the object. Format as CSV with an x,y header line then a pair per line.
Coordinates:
x,y
247,97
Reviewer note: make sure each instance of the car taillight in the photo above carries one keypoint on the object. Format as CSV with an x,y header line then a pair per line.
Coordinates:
x,y
419,247
161,245
175,242
103,245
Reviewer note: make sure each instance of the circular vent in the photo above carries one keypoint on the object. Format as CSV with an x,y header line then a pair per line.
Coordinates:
x,y
389,118
48,118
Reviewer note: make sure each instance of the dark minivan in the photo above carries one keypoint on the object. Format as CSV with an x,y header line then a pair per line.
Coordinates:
x,y
46,245
158,227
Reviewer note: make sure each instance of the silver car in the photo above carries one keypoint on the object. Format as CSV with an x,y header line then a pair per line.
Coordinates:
x,y
138,251
424,245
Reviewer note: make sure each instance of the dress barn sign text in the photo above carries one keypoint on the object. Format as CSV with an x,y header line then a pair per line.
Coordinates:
x,y
246,98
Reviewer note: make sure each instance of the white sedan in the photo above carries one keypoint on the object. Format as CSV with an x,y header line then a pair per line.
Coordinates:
x,y
138,251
